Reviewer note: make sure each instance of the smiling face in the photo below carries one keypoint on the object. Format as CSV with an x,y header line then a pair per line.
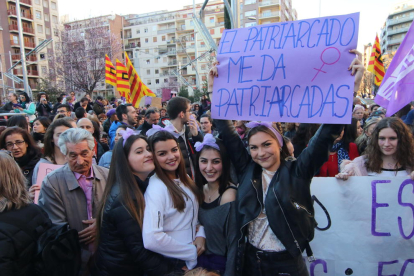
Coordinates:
x,y
16,144
168,156
388,141
38,127
265,151
140,159
210,164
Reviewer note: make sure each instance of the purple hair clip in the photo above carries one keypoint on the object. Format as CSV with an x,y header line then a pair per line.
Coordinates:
x,y
157,128
127,133
208,140
254,124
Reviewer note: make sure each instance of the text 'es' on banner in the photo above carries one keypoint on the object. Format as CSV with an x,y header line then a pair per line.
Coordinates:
x,y
370,227
288,72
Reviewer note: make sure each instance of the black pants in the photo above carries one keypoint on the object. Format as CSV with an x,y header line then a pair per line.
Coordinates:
x,y
262,263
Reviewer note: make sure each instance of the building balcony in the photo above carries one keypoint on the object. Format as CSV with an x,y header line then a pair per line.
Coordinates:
x,y
171,41
28,44
184,29
399,20
394,41
17,57
32,84
166,31
269,3
212,11
128,36
269,15
172,63
398,31
24,15
30,72
23,2
171,53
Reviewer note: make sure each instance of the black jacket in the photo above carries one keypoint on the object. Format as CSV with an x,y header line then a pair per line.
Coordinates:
x,y
19,231
43,109
144,128
88,107
121,249
7,108
98,108
288,203
27,164
190,153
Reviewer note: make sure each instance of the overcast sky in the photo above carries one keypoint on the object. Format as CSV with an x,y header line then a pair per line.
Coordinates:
x,y
372,17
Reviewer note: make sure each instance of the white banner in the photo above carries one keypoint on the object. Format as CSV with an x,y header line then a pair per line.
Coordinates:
x,y
372,227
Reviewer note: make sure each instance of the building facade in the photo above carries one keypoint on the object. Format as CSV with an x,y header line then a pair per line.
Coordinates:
x,y
40,21
162,44
396,26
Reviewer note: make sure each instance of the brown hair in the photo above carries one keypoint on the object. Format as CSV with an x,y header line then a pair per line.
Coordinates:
x,y
176,193
200,272
49,145
32,149
405,147
13,192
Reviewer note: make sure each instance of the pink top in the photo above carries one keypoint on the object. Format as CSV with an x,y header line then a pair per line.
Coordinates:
x,y
86,183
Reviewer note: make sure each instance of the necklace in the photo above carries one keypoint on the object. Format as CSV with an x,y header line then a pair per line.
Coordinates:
x,y
208,194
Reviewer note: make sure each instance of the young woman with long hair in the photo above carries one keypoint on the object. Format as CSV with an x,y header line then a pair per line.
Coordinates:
x,y
274,208
216,213
389,152
120,248
26,106
18,216
172,202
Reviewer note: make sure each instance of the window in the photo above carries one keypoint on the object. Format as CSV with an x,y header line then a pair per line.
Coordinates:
x,y
163,38
38,15
148,72
138,31
16,39
148,61
42,56
148,82
191,23
53,5
250,24
212,20
45,4
47,30
39,29
55,19
211,31
157,81
165,80
146,40
146,30
46,17
157,71
154,39
221,30
250,13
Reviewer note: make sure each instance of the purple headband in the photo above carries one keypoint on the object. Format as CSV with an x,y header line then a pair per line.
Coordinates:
x,y
127,133
269,126
208,140
157,128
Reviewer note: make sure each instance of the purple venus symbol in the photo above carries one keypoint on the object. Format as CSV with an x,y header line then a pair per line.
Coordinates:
x,y
328,57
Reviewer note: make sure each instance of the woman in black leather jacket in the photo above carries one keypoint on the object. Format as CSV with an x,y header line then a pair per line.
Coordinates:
x,y
120,246
275,215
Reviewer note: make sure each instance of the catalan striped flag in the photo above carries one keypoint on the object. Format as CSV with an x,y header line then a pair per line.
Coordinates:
x,y
138,88
375,64
122,82
110,72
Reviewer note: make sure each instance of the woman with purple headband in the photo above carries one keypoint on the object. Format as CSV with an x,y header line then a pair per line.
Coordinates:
x,y
217,210
274,210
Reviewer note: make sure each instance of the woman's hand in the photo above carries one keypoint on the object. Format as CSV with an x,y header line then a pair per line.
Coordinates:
x,y
357,69
200,243
211,75
32,191
343,176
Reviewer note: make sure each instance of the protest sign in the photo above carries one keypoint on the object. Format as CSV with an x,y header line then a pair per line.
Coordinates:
x,y
372,226
287,72
156,102
44,169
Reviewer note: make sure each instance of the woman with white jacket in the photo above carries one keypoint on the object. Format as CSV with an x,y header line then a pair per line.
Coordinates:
x,y
172,202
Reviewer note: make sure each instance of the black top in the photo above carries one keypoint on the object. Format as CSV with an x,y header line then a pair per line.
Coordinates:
x,y
216,202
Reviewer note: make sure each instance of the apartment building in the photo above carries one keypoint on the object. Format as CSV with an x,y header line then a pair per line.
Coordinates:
x,y
162,43
107,29
40,21
258,12
367,54
396,26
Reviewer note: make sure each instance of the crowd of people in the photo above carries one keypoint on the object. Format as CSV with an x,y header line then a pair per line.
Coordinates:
x,y
171,191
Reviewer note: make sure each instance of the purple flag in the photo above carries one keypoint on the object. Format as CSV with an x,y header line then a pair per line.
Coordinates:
x,y
397,87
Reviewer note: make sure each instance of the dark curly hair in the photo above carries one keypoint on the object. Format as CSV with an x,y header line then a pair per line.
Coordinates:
x,y
405,147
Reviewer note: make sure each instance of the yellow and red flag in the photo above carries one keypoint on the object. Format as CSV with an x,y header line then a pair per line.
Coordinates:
x,y
375,64
110,72
122,81
138,88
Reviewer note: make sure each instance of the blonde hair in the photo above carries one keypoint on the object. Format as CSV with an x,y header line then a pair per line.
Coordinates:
x,y
200,272
13,192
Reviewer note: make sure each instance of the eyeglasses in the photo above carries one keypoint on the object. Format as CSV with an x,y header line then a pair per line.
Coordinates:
x,y
10,145
61,111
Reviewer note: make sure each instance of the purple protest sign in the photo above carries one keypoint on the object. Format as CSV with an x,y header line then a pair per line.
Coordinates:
x,y
287,72
396,89
148,100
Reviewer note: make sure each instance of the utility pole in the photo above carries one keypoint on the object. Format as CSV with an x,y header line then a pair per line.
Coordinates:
x,y
22,52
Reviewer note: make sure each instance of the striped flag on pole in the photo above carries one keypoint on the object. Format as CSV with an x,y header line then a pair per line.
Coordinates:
x,y
122,83
375,64
138,88
110,72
